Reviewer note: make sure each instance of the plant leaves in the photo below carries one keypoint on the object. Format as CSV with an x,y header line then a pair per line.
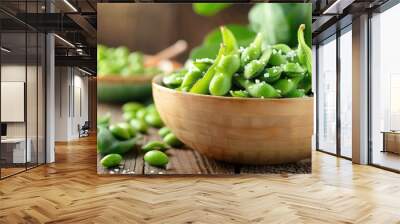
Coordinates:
x,y
279,22
209,49
209,9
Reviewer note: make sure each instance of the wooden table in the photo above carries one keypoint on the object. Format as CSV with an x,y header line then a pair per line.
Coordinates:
x,y
391,141
185,161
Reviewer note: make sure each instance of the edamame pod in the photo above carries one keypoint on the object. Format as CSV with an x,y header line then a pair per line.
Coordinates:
x,y
282,47
163,132
258,90
172,140
252,52
202,85
277,58
228,64
129,128
203,64
139,125
111,160
119,132
174,80
129,115
263,90
141,113
304,52
254,68
156,158
154,120
272,74
305,83
296,93
190,79
131,107
285,86
239,93
154,145
293,68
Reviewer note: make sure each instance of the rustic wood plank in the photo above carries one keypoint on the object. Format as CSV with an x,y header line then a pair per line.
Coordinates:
x,y
185,161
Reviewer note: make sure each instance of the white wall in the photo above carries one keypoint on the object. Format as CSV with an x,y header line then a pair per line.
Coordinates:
x,y
71,93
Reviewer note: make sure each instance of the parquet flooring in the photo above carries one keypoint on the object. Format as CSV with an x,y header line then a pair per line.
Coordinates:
x,y
70,191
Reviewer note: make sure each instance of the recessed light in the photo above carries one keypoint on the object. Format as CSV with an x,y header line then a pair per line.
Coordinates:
x,y
5,50
70,5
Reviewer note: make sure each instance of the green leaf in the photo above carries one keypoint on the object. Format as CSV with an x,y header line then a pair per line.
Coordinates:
x,y
209,49
279,22
209,9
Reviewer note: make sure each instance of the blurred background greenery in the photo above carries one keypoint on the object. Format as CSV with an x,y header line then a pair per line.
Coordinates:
x,y
149,28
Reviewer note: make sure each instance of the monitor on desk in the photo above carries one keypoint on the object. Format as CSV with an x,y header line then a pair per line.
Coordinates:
x,y
3,130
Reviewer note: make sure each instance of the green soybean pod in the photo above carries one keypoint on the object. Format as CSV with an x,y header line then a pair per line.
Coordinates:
x,y
129,128
156,158
239,93
104,121
272,74
174,80
293,68
131,107
139,125
296,93
129,115
172,140
190,79
111,160
304,52
285,86
154,145
202,85
263,90
141,114
203,64
277,58
282,47
119,132
164,131
253,51
154,120
221,83
255,67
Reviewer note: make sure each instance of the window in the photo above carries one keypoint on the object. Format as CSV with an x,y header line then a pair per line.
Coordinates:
x,y
326,96
385,89
346,95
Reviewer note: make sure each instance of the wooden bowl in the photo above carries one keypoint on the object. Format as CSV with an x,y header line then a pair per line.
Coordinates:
x,y
119,89
238,130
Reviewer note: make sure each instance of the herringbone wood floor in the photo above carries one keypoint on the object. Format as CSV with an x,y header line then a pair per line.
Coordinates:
x,y
70,191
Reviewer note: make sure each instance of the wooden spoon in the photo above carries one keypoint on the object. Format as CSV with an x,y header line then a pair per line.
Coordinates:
x,y
170,52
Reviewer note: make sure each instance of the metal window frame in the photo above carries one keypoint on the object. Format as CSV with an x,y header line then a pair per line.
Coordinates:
x,y
339,32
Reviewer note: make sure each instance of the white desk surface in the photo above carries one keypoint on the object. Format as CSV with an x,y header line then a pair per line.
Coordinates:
x,y
12,140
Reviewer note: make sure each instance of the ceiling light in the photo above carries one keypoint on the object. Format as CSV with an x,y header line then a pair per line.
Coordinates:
x,y
70,5
64,40
5,50
337,7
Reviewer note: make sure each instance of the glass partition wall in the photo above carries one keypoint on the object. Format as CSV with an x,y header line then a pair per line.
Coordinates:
x,y
334,93
22,107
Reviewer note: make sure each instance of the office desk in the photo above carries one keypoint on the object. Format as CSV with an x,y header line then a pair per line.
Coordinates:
x,y
13,150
